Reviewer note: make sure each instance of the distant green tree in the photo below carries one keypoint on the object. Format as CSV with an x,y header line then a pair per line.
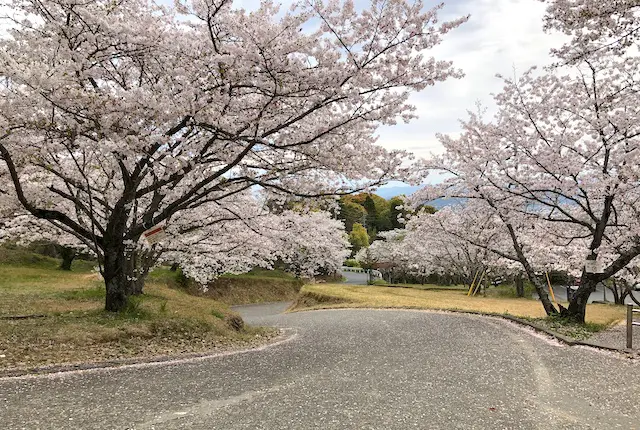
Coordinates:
x,y
427,208
395,213
372,215
351,213
358,237
383,220
373,211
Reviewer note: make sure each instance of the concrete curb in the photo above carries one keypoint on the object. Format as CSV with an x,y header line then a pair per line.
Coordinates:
x,y
569,341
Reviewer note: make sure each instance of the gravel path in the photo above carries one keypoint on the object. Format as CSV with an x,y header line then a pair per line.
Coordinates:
x,y
358,369
616,337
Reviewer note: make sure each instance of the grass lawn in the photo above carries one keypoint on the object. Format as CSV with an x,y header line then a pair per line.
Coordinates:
x,y
72,327
336,295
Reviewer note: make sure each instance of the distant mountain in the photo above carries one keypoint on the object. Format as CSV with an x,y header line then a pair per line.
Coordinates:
x,y
440,203
388,192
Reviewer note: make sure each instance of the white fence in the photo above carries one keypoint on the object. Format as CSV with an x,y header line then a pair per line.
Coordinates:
x,y
374,273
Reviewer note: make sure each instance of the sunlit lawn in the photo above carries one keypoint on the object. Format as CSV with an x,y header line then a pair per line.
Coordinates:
x,y
68,323
423,298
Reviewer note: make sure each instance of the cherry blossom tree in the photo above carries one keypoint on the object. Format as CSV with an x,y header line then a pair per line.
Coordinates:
x,y
454,241
310,244
561,157
24,229
236,238
19,226
388,255
217,238
595,26
130,113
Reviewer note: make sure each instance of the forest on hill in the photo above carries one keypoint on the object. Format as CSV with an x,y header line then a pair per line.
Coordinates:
x,y
367,214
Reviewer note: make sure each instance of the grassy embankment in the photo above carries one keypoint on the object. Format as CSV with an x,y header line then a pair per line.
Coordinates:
x,y
257,286
68,324
599,316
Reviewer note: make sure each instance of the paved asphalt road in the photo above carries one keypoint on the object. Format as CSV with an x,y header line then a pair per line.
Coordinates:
x,y
349,369
355,278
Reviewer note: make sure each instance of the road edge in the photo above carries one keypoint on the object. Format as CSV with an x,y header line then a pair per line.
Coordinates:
x,y
629,353
59,370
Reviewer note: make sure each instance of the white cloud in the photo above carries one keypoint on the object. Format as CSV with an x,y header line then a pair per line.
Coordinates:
x,y
502,36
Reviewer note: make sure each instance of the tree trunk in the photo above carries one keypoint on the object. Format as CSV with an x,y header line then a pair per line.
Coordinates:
x,y
136,286
544,297
174,267
542,294
519,286
616,291
549,308
139,262
578,303
68,255
115,279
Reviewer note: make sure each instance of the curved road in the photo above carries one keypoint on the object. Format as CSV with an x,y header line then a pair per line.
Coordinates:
x,y
357,369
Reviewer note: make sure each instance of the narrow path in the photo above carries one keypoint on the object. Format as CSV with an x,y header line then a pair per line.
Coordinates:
x,y
360,369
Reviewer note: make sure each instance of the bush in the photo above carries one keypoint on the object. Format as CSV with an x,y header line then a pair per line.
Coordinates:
x,y
380,282
352,263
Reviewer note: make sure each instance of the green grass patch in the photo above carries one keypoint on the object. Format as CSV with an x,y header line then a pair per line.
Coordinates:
x,y
216,313
509,291
91,294
571,329
75,327
379,282
21,257
261,273
248,288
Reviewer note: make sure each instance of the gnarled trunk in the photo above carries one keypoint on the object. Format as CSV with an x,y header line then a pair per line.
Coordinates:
x,y
616,292
115,279
136,285
68,255
549,308
621,290
139,263
519,286
578,302
537,284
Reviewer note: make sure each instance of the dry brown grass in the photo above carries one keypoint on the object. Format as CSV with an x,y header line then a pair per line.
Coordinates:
x,y
164,321
408,298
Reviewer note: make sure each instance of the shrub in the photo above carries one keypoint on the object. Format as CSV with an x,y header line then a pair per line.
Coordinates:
x,y
380,282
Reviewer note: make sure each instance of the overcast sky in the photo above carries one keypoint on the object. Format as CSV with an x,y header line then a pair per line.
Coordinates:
x,y
501,36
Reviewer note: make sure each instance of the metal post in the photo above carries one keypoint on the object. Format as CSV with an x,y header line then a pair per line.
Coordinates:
x,y
629,326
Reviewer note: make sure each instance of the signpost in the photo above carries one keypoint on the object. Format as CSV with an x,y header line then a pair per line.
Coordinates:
x,y
154,235
593,266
